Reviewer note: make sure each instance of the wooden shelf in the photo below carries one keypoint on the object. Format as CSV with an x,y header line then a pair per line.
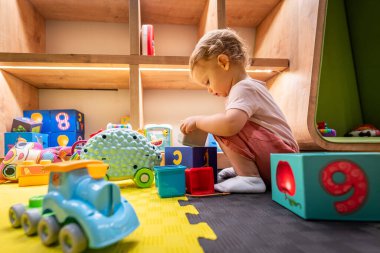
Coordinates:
x,y
70,71
240,13
179,12
247,13
83,10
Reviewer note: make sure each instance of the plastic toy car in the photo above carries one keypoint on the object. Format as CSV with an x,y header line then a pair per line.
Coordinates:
x,y
80,210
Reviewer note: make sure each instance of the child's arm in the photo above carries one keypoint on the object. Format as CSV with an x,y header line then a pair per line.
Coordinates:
x,y
222,124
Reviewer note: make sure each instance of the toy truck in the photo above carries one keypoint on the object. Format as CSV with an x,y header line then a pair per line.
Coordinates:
x,y
81,210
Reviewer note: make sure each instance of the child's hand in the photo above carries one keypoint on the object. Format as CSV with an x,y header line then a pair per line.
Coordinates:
x,y
189,124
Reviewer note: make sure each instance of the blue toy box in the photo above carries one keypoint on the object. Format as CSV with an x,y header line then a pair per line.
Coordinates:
x,y
170,180
64,138
328,186
11,138
192,157
159,135
40,116
67,121
58,120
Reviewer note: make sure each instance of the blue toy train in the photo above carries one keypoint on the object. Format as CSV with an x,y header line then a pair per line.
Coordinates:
x,y
80,210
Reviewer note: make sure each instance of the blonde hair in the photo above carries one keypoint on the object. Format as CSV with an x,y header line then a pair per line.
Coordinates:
x,y
221,41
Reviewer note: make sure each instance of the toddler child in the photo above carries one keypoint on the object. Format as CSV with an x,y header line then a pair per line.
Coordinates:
x,y
252,125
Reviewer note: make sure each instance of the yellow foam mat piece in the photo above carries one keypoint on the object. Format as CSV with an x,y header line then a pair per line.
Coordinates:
x,y
164,226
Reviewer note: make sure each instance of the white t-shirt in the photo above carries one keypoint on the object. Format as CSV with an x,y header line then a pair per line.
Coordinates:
x,y
252,97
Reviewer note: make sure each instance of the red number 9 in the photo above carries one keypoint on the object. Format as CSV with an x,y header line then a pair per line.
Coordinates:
x,y
355,179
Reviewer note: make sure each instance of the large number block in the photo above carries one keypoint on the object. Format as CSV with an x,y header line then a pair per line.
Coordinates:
x,y
40,116
192,157
64,138
11,138
328,186
67,121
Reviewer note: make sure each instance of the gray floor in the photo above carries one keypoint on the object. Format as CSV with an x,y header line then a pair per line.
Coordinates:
x,y
254,223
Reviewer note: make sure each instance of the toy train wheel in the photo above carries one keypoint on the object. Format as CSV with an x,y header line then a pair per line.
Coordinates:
x,y
72,239
143,178
29,221
15,213
48,229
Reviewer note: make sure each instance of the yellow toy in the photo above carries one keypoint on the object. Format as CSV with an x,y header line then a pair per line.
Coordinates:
x,y
30,173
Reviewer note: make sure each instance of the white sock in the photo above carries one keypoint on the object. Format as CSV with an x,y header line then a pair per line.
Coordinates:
x,y
240,184
226,174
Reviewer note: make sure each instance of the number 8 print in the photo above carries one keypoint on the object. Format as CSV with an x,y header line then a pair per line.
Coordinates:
x,y
62,119
355,179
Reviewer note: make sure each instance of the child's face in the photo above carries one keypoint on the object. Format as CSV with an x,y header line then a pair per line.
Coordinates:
x,y
214,74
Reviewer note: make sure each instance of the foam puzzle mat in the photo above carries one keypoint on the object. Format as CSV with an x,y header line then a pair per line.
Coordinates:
x,y
164,226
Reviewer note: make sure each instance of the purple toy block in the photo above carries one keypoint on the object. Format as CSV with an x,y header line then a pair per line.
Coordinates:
x,y
23,124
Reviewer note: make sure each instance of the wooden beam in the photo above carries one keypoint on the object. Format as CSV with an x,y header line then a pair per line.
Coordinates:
x,y
71,71
213,17
135,86
86,60
136,101
134,26
221,13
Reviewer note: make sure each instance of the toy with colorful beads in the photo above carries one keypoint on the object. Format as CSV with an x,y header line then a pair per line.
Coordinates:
x,y
129,155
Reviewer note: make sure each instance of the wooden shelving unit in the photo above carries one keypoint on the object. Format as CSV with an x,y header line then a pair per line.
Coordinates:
x,y
288,41
27,63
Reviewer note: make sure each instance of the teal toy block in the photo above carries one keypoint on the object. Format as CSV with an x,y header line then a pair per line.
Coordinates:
x,y
328,185
192,157
11,138
64,138
170,180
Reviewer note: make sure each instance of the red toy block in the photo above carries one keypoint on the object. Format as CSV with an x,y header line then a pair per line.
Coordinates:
x,y
200,181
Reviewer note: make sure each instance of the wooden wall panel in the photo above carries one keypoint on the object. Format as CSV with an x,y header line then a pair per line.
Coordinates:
x,y
22,30
289,31
16,96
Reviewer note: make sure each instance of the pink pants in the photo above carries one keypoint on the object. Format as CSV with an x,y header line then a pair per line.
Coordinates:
x,y
257,143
